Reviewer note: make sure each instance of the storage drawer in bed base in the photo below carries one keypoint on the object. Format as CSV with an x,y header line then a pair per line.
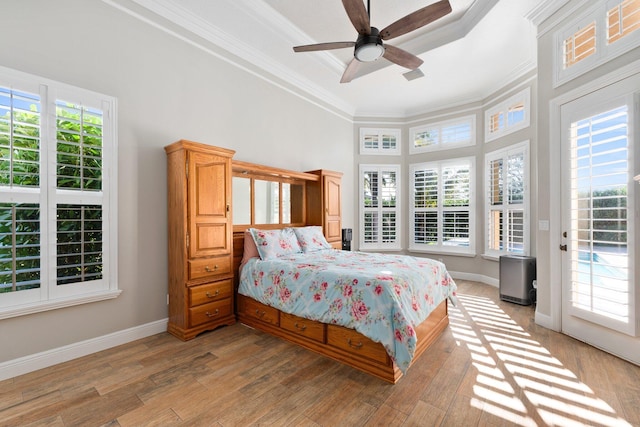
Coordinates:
x,y
358,351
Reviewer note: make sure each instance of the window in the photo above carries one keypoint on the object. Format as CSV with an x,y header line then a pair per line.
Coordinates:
x,y
622,20
509,116
604,31
459,132
442,195
57,199
580,45
379,141
507,201
379,207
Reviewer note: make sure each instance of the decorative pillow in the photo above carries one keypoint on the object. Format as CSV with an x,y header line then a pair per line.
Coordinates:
x,y
250,249
311,238
274,243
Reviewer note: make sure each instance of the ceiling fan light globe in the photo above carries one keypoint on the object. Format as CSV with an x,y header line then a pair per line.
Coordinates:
x,y
369,52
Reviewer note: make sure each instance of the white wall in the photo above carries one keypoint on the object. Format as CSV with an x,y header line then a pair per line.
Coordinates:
x,y
167,89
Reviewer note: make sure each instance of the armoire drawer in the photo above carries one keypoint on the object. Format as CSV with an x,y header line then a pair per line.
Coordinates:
x,y
203,294
205,267
209,312
302,326
356,343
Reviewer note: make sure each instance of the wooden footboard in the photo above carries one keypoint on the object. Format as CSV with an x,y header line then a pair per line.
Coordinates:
x,y
344,345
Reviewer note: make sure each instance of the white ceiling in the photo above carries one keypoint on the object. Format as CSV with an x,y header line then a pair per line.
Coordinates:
x,y
468,54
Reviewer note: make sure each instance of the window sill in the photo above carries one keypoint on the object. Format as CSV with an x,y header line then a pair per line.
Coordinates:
x,y
491,257
41,306
446,253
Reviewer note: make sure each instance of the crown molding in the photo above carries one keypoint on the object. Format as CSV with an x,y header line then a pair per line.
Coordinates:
x,y
543,10
178,15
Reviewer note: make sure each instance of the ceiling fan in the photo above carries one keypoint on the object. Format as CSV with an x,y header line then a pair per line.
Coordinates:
x,y
369,46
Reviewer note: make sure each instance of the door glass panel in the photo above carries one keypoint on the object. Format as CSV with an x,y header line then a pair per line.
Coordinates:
x,y
598,240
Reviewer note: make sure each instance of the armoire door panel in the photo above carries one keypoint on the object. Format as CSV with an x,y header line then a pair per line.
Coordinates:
x,y
210,181
333,196
208,239
333,230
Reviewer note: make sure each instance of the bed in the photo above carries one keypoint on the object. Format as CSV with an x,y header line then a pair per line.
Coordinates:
x,y
374,312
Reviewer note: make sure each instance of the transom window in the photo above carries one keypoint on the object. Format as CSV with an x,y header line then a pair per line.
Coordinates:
x,y
459,132
605,30
580,45
508,116
57,198
379,141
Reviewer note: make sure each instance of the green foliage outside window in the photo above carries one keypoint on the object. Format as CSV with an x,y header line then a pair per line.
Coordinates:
x,y
79,167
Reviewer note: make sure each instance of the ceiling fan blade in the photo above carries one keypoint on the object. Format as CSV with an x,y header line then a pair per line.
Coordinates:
x,y
351,71
358,15
401,57
323,46
417,19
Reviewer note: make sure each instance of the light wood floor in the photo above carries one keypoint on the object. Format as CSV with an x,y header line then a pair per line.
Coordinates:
x,y
492,367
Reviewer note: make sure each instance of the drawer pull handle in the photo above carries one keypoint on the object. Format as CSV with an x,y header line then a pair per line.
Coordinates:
x,y
215,313
214,295
260,314
356,346
300,328
208,269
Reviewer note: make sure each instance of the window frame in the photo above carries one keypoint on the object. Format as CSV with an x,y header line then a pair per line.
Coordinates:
x,y
604,51
524,97
441,248
50,295
504,153
379,244
438,146
380,133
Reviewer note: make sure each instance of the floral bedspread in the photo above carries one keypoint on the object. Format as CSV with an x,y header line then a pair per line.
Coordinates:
x,y
379,295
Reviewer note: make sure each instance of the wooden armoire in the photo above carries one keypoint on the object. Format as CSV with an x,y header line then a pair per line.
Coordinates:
x,y
323,205
201,273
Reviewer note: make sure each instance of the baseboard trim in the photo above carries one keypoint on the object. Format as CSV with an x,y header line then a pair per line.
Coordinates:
x,y
33,362
546,321
475,277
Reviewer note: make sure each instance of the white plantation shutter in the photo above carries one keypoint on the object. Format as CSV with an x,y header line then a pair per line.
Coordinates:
x,y
599,240
379,205
507,200
58,229
19,138
441,205
456,194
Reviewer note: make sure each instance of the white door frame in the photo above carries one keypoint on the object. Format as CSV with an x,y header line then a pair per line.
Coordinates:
x,y
554,320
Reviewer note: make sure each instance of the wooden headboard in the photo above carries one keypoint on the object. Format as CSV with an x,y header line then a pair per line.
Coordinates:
x,y
307,203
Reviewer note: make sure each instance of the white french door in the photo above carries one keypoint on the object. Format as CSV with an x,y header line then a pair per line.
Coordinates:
x,y
599,219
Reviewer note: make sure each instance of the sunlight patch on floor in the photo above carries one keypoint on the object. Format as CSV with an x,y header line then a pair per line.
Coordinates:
x,y
534,378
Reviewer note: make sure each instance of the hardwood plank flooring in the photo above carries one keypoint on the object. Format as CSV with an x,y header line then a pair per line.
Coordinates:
x,y
493,366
